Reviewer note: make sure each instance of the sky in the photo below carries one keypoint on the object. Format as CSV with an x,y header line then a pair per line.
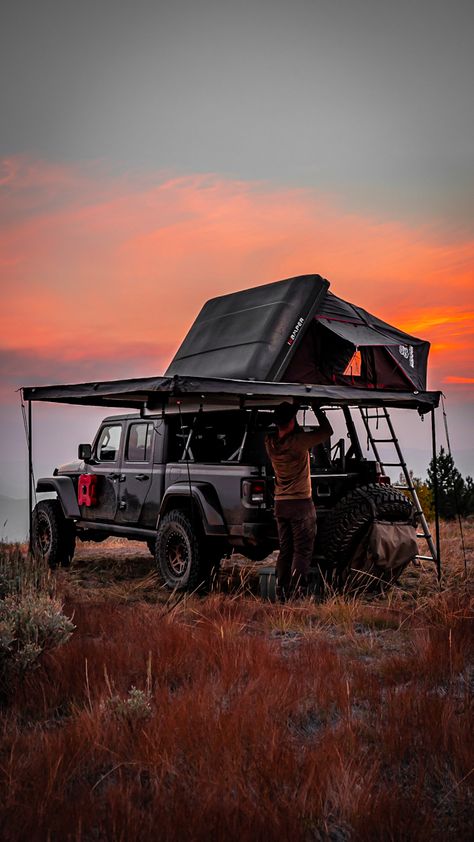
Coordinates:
x,y
154,155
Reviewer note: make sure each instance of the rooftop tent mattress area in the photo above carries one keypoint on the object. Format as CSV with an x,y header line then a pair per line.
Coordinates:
x,y
298,332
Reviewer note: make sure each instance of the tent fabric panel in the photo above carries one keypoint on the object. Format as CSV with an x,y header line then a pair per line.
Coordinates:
x,y
320,355
249,334
360,327
359,334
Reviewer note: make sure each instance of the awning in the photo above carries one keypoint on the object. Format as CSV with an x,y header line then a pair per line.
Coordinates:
x,y
154,393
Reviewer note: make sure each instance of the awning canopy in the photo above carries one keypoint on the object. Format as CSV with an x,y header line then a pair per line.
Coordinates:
x,y
153,393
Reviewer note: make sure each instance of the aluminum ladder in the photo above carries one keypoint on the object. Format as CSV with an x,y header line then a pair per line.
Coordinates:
x,y
382,414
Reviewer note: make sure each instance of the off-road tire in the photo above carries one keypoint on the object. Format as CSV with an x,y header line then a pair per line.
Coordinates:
x,y
178,552
348,524
53,537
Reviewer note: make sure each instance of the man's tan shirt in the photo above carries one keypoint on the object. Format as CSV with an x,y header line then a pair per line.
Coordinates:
x,y
290,459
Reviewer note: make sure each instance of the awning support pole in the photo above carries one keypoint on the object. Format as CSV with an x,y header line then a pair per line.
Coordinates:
x,y
30,480
436,493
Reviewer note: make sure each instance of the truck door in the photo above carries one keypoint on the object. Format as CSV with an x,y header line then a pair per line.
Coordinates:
x,y
136,471
107,458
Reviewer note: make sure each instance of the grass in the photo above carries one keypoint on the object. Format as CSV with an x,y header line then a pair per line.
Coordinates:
x,y
228,718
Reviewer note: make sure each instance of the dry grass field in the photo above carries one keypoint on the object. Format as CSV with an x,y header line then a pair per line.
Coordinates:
x,y
223,717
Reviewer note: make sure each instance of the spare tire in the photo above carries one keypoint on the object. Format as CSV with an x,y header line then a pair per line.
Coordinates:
x,y
347,527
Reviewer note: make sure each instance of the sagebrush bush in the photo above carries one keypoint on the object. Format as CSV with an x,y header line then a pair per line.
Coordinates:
x,y
135,707
31,617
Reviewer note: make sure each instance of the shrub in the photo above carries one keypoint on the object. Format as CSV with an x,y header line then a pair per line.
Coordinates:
x,y
31,618
134,708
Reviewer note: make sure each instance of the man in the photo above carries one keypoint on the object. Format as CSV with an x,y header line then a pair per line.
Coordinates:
x,y
288,450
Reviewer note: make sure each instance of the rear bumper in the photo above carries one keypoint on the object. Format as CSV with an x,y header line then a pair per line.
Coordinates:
x,y
257,534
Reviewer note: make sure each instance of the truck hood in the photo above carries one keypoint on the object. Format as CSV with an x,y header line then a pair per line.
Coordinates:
x,y
76,467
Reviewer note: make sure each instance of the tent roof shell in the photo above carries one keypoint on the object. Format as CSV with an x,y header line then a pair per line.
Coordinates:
x,y
251,334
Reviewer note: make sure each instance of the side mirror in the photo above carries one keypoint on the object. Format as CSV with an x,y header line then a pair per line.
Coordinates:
x,y
84,452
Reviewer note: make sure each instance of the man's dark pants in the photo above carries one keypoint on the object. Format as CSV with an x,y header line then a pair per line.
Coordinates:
x,y
296,522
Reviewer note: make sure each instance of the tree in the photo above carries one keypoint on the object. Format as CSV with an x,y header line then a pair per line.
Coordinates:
x,y
455,496
424,494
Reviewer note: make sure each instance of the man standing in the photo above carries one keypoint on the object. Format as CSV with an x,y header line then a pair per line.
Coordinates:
x,y
288,450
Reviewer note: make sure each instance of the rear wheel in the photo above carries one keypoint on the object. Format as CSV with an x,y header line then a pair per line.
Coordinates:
x,y
178,552
344,532
53,537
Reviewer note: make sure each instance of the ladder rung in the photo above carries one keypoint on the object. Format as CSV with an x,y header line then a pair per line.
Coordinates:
x,y
422,535
392,464
384,441
425,557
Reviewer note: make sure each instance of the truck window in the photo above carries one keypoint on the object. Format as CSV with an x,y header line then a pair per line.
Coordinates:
x,y
139,442
207,437
109,443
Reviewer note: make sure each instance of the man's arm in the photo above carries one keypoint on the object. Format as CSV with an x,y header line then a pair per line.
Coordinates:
x,y
321,433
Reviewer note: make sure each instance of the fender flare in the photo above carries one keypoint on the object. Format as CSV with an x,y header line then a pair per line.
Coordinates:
x,y
205,497
64,488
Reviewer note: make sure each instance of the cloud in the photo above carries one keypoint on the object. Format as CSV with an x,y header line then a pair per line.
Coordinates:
x,y
105,272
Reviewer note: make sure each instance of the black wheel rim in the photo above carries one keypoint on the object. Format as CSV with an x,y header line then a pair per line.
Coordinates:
x,y
177,554
43,535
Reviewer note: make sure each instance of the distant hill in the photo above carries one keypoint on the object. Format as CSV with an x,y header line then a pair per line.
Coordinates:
x,y
13,519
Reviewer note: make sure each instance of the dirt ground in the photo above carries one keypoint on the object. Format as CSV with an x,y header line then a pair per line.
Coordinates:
x,y
122,570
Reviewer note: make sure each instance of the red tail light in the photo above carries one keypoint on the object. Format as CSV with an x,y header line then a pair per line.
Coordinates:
x,y
253,491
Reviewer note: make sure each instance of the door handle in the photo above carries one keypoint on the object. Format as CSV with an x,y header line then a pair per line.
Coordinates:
x,y
120,477
142,477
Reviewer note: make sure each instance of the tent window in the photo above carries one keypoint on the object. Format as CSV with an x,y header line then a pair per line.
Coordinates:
x,y
353,367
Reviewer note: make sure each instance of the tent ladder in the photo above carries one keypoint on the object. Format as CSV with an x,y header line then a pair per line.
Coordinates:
x,y
391,438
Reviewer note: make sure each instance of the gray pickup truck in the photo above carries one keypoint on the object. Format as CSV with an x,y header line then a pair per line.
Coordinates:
x,y
196,485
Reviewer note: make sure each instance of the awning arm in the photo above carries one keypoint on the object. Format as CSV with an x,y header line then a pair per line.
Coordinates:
x,y
436,494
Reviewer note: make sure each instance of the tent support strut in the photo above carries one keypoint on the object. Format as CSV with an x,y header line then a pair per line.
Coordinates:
x,y
436,494
30,480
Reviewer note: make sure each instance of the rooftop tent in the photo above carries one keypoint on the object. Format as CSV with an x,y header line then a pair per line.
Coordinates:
x,y
298,332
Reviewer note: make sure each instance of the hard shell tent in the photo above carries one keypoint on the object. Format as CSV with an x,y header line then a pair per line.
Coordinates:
x,y
296,331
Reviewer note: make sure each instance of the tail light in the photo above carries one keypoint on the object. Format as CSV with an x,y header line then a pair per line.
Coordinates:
x,y
253,491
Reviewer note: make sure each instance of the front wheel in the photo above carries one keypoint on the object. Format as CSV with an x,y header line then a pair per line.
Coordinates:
x,y
178,552
53,537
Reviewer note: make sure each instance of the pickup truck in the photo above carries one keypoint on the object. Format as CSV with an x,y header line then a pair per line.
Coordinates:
x,y
196,485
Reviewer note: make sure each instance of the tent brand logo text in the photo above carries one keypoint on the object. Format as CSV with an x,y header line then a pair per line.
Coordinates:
x,y
295,331
407,352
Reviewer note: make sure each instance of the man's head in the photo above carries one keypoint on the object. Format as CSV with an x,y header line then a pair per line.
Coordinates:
x,y
284,416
